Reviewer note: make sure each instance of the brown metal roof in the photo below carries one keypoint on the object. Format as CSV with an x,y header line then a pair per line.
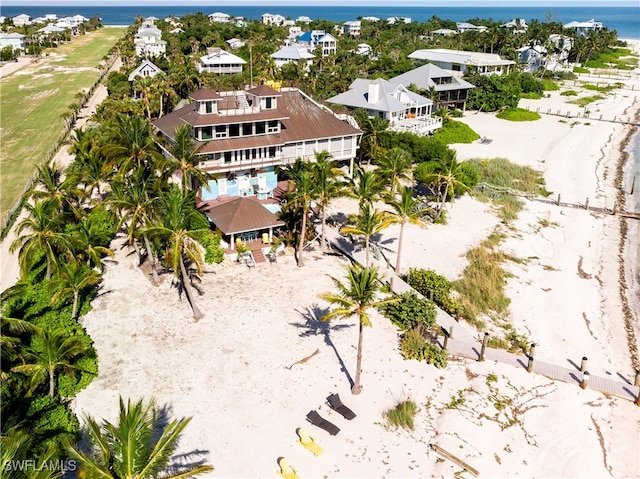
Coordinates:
x,y
205,94
263,90
241,143
242,214
301,119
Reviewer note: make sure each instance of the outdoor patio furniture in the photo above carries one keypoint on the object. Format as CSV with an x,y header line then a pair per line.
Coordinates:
x,y
309,442
286,470
335,403
317,420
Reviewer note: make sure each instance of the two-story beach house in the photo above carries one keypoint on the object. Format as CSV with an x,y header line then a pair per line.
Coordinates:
x,y
220,61
219,17
451,91
405,110
325,42
273,19
583,28
463,61
243,137
352,28
293,54
148,42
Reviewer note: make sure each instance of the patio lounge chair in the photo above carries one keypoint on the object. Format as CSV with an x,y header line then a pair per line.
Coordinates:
x,y
335,403
317,420
309,442
286,470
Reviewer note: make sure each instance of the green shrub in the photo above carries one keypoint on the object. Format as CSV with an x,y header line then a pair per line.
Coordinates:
x,y
52,422
530,84
532,95
411,312
435,287
581,70
569,93
518,114
455,132
414,346
402,415
550,85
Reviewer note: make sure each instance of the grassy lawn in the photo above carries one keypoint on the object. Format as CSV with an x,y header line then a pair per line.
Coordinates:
x,y
33,101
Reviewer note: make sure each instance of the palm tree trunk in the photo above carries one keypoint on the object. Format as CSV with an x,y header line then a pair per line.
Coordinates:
x,y
75,305
197,314
357,388
366,251
152,258
323,227
51,382
400,238
303,233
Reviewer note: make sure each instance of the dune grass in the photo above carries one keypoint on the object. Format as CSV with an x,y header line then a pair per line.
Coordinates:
x,y
402,415
518,114
34,100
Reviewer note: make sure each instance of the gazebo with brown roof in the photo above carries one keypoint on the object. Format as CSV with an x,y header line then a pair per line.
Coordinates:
x,y
243,215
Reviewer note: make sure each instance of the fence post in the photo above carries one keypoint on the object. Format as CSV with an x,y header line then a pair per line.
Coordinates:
x,y
615,207
636,382
530,364
586,204
485,340
558,199
583,364
585,380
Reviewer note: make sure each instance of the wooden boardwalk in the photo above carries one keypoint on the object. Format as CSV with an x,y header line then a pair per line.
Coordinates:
x,y
466,344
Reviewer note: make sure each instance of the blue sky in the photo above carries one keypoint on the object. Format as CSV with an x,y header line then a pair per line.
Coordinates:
x,y
408,3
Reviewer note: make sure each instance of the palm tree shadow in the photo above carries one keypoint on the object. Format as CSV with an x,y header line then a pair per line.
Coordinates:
x,y
313,326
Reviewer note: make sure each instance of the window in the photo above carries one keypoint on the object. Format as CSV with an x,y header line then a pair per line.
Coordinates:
x,y
227,156
268,102
272,126
208,106
206,133
221,131
234,130
272,152
260,128
247,129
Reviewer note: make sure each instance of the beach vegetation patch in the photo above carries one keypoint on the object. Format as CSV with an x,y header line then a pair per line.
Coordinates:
x,y
532,95
435,287
411,312
481,286
550,85
584,101
569,93
581,70
494,92
518,114
455,132
619,58
602,89
414,346
402,415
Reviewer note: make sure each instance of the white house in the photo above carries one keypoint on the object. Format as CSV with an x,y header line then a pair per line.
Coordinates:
x,y
352,28
394,20
469,27
271,19
17,41
235,43
405,110
363,49
327,44
371,19
293,54
145,70
517,25
22,19
303,19
583,28
220,61
532,58
149,42
219,17
444,32
462,61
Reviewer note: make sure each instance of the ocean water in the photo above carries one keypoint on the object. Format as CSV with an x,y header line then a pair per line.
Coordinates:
x,y
625,20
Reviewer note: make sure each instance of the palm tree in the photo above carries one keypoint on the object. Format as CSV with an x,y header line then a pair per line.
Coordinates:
x,y
131,144
301,196
16,446
184,159
134,200
89,236
393,166
328,186
51,350
172,225
368,223
446,180
366,185
407,209
138,446
356,297
51,185
373,129
46,236
73,278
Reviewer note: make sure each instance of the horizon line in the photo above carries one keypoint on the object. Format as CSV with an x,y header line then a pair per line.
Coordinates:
x,y
327,3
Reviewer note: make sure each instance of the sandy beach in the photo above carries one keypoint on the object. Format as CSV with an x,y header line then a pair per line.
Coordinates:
x,y
234,371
